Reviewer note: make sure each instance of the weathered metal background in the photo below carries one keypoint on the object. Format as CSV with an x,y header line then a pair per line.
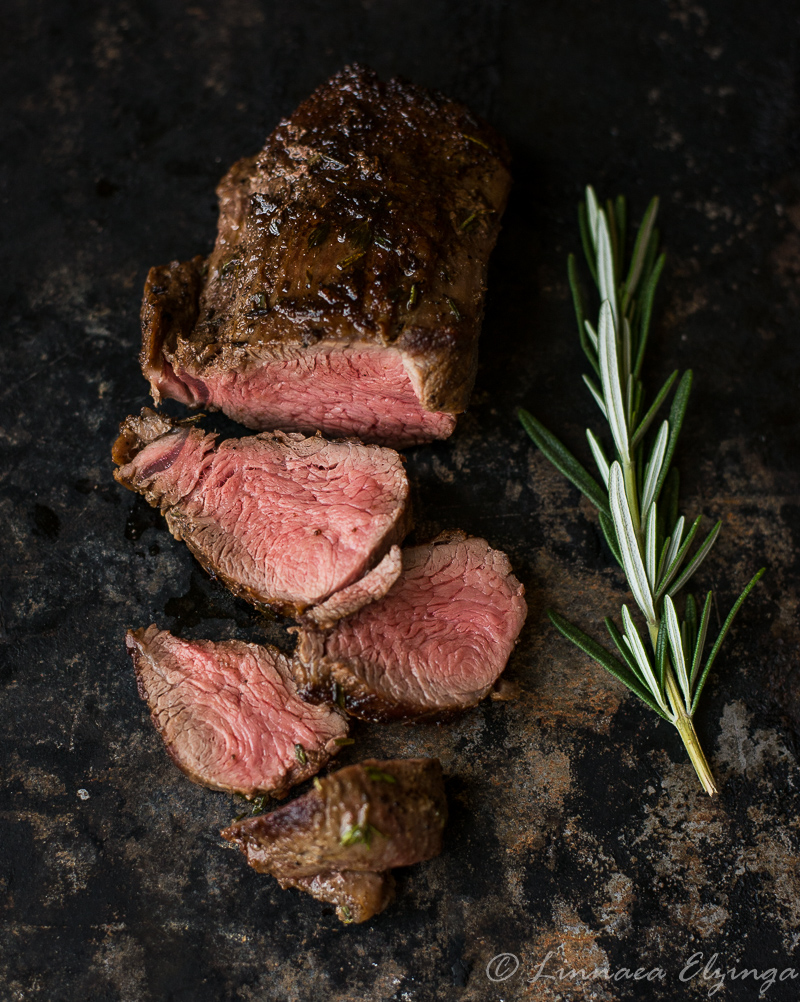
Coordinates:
x,y
577,825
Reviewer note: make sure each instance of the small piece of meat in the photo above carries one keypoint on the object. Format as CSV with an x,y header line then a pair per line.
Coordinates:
x,y
365,818
283,520
434,645
371,816
229,713
357,895
345,290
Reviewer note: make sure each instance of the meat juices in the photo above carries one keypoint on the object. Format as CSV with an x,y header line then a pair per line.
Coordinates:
x,y
357,824
283,520
434,645
345,290
229,713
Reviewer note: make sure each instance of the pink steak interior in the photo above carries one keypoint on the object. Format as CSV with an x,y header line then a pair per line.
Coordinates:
x,y
355,390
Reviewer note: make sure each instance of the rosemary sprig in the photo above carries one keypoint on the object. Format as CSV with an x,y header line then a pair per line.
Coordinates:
x,y
638,507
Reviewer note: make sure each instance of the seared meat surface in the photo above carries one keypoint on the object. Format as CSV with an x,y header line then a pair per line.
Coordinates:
x,y
363,819
357,895
435,644
229,713
284,520
345,290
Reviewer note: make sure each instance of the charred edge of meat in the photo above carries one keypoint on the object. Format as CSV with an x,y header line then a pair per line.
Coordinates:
x,y
358,895
446,389
449,536
236,588
361,80
170,306
415,782
136,432
338,686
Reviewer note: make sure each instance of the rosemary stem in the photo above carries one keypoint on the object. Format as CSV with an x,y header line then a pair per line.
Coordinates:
x,y
684,725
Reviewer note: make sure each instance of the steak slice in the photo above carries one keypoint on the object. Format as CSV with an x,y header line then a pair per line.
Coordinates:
x,y
435,644
283,520
363,819
345,290
229,713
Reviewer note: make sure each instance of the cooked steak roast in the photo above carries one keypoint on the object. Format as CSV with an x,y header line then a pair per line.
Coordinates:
x,y
229,713
345,290
363,819
435,644
283,520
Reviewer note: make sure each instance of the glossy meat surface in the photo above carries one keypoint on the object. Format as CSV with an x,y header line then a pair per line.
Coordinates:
x,y
363,819
358,895
345,290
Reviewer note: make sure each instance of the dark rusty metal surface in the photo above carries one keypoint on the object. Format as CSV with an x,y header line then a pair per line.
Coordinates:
x,y
577,826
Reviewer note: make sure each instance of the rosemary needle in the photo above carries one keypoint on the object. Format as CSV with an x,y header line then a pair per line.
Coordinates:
x,y
642,528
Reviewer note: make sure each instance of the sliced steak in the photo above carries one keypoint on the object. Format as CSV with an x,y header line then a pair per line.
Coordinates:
x,y
435,644
345,290
229,713
363,819
283,520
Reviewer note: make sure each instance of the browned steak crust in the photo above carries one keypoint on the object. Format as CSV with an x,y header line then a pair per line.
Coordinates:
x,y
367,218
357,895
363,819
